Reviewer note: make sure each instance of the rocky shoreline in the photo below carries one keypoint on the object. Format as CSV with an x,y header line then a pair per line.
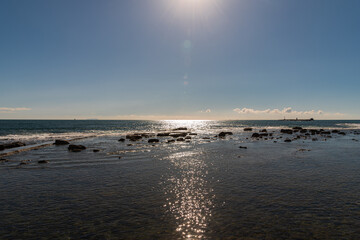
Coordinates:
x,y
186,135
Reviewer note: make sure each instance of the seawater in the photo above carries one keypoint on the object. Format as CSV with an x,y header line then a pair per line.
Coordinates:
x,y
45,130
202,189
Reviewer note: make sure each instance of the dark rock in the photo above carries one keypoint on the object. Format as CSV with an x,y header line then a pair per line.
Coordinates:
x,y
96,150
263,135
341,133
129,145
263,131
248,129
243,147
287,140
11,145
205,138
188,137
61,142
154,140
223,134
335,131
180,129
170,141
325,132
287,131
43,161
120,157
303,131
121,140
134,137
163,134
314,139
76,148
255,135
180,139
314,131
176,135
147,135
3,160
194,134
25,162
297,128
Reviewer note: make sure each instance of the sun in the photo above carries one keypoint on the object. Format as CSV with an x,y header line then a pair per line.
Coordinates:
x,y
194,9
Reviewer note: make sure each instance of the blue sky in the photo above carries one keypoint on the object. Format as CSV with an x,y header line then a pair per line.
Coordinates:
x,y
179,59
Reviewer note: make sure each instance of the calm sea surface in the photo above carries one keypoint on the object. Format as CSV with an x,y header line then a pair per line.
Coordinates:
x,y
207,188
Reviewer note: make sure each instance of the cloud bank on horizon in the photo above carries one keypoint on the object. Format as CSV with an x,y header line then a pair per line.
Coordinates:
x,y
13,110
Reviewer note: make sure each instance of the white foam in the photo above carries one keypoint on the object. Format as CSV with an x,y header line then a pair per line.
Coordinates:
x,y
350,125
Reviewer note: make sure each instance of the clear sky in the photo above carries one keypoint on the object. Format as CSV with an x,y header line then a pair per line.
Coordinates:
x,y
179,59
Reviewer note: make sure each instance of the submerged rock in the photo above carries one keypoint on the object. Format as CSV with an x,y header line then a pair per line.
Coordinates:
x,y
154,140
287,131
248,129
314,131
176,135
96,150
170,141
11,145
287,140
121,140
341,133
255,135
188,137
61,142
223,134
43,161
25,162
76,148
180,129
164,134
194,134
134,137
243,147
325,132
180,139
263,131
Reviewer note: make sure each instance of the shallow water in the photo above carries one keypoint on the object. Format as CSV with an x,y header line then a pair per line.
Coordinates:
x,y
204,189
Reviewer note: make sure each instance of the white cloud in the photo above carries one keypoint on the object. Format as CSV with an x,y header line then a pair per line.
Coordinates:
x,y
206,111
287,110
12,110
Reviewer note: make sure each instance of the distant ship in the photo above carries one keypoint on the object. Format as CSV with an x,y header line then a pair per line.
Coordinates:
x,y
297,119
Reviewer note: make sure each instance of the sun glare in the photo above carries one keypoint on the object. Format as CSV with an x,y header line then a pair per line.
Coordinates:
x,y
196,9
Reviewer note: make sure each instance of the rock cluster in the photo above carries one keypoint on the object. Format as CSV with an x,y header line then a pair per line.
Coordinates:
x,y
11,145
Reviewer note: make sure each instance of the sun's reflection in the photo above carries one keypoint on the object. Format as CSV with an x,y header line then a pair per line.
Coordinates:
x,y
190,124
189,196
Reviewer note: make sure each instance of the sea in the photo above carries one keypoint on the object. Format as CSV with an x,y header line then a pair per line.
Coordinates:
x,y
204,187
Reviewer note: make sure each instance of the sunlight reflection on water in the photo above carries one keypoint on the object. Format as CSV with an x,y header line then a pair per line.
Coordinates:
x,y
188,196
190,124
